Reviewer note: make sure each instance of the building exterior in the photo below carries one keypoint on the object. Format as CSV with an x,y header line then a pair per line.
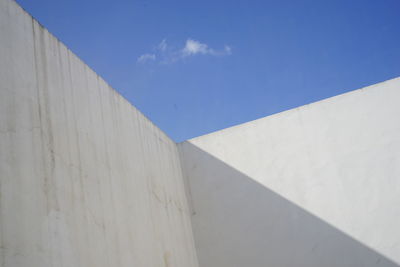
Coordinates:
x,y
87,180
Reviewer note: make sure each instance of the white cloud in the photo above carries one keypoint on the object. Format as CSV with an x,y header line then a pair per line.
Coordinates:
x,y
194,47
146,57
162,46
166,54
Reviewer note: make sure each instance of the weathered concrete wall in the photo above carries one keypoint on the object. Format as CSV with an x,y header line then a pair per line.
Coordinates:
x,y
85,179
314,186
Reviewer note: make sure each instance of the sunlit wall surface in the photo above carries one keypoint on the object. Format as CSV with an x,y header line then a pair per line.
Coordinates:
x,y
85,179
318,185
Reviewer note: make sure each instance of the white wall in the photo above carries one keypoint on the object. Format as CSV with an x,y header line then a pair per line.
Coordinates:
x,y
85,179
314,186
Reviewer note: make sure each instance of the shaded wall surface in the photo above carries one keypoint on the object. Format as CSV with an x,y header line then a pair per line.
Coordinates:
x,y
318,185
85,179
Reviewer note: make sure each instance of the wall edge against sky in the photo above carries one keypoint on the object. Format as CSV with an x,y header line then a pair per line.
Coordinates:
x,y
332,98
90,67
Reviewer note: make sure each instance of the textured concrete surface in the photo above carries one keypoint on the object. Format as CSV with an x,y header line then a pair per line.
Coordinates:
x,y
318,185
85,179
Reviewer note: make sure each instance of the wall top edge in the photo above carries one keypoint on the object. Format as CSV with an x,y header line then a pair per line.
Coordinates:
x,y
34,20
299,108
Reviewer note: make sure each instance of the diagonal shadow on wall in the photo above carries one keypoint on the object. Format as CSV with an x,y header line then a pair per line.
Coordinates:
x,y
238,222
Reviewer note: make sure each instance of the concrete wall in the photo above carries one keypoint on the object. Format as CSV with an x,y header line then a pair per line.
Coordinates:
x,y
314,186
85,179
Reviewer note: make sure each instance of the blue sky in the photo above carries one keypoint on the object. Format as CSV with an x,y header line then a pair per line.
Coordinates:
x,y
194,67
